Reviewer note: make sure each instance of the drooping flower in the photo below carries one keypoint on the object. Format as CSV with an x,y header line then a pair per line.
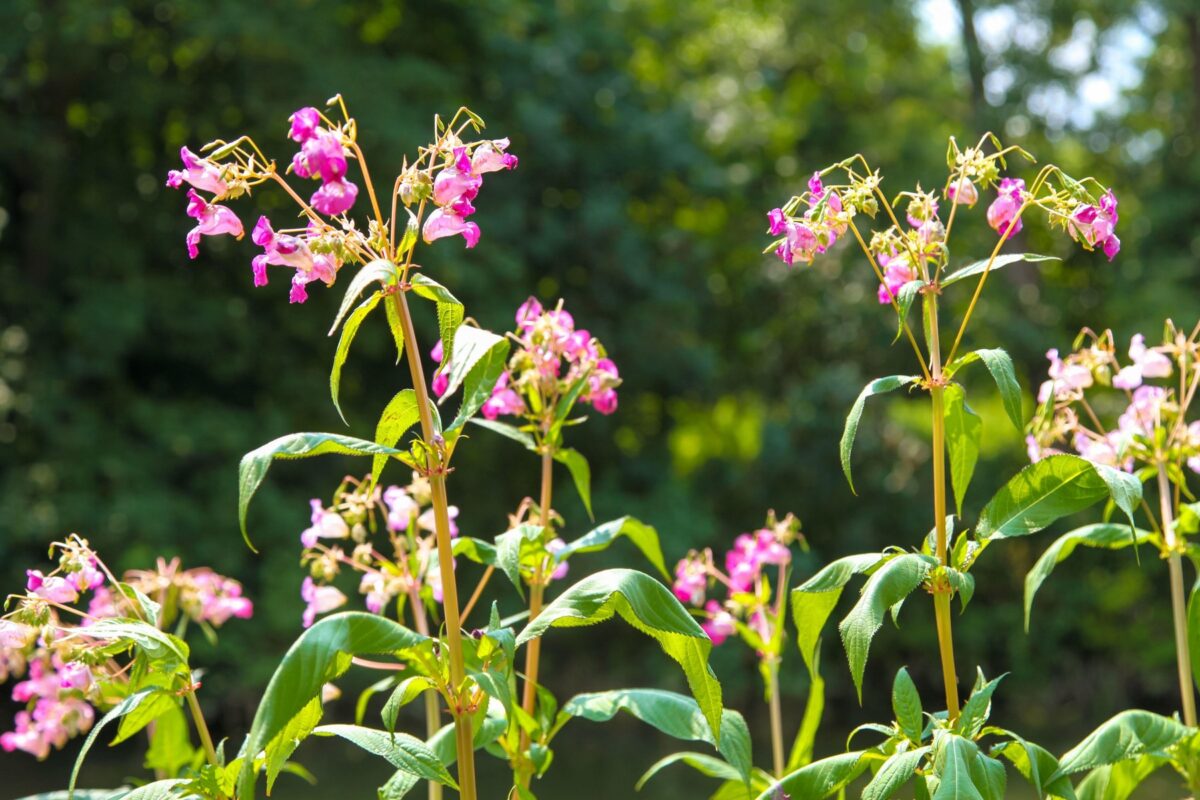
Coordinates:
x,y
326,524
964,192
691,580
491,157
554,547
503,400
443,222
1002,213
720,624
319,600
52,587
199,172
335,197
1095,225
304,124
897,271
601,392
1147,363
211,220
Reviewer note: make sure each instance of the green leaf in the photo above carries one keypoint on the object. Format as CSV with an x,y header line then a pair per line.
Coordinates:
x,y
170,789
170,747
904,299
963,584
643,536
814,600
449,309
380,270
1103,535
651,608
709,766
952,766
895,772
1052,488
349,331
977,267
283,744
396,326
806,736
964,429
476,550
977,708
509,431
1129,734
1193,629
401,750
82,794
398,786
820,778
320,655
1118,781
581,474
255,464
906,703
508,551
987,774
1037,765
398,416
877,386
676,715
156,645
889,585
444,745
478,359
1001,367
126,706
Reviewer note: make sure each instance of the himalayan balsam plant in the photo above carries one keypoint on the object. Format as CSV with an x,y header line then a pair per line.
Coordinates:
x,y
943,754
1133,414
395,545
85,642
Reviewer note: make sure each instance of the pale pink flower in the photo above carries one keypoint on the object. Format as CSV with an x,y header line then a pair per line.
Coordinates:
x,y
1002,213
199,172
491,157
442,223
326,524
401,507
52,588
554,547
691,581
964,192
212,220
720,623
319,600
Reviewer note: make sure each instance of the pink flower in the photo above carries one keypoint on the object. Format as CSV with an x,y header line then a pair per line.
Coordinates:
x,y
1066,378
1105,450
334,197
325,525
442,223
528,314
720,624
325,156
319,600
212,220
777,220
759,623
601,393
815,186
896,273
199,172
216,599
88,576
503,400
691,581
1095,225
1144,412
964,192
304,124
491,157
769,550
428,521
401,507
375,586
1147,363
452,185
15,635
1002,213
53,588
433,578
554,547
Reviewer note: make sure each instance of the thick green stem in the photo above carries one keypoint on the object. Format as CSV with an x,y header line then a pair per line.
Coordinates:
x,y
941,597
210,752
776,715
433,721
441,518
1183,659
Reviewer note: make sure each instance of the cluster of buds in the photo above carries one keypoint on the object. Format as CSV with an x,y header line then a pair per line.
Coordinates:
x,y
65,677
449,172
344,536
750,597
549,361
814,231
1092,383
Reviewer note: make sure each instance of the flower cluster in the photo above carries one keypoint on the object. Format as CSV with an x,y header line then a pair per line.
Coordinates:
x,y
552,357
458,183
750,598
323,154
816,230
65,678
1092,383
343,535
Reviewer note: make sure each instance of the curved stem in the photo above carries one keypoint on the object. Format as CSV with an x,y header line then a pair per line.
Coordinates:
x,y
536,592
1183,659
441,516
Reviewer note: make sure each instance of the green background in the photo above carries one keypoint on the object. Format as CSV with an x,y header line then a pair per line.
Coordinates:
x,y
653,136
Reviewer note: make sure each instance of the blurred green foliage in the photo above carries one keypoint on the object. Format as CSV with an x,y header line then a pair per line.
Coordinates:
x,y
653,136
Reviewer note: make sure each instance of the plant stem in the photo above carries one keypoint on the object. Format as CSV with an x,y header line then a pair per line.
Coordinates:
x,y
536,591
776,715
941,597
441,517
1183,658
433,722
201,726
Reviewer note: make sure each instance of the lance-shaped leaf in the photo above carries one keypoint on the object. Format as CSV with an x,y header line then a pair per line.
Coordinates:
x,y
478,359
158,646
1036,764
889,585
964,429
402,751
978,267
169,789
449,309
1052,488
674,714
643,536
952,765
821,778
126,706
398,416
508,551
1104,535
1193,628
814,600
904,300
709,766
1003,373
1118,781
877,386
806,736
507,431
1128,735
581,474
906,704
649,607
895,772
380,270
319,656
977,708
349,331
255,464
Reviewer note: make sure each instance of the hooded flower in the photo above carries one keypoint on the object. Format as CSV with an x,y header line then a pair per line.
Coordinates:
x,y
443,222
199,172
964,192
319,600
325,525
212,220
1002,213
1094,225
1147,363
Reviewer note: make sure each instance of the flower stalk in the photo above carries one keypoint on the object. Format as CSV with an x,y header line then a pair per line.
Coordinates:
x,y
537,587
1183,660
775,705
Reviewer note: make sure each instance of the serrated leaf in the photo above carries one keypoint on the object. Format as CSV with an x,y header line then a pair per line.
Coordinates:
x,y
895,772
906,704
964,430
155,644
975,711
508,551
380,270
1052,488
349,331
1105,535
283,744
449,309
814,600
978,267
1037,765
1003,373
651,608
400,414
126,706
643,536
254,465
819,779
1118,781
889,585
952,766
904,299
399,749
1129,734
478,359
581,474
877,386
676,715
319,656
396,326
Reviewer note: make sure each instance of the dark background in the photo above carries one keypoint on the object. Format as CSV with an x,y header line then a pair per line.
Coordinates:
x,y
653,136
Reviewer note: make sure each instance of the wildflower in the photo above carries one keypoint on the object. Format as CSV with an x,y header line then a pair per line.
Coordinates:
x,y
691,580
897,271
554,547
442,223
52,588
212,220
401,508
503,400
1002,213
214,599
964,192
304,124
491,157
720,624
601,392
199,172
319,600
326,524
1094,225
1147,363
335,197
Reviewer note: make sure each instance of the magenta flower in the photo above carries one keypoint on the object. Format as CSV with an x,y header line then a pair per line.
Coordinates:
x,y
720,624
452,186
334,197
601,394
1095,225
528,314
554,547
963,191
815,186
199,172
324,155
304,124
212,220
896,272
777,222
490,157
52,588
503,400
319,600
442,223
691,581
1002,213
